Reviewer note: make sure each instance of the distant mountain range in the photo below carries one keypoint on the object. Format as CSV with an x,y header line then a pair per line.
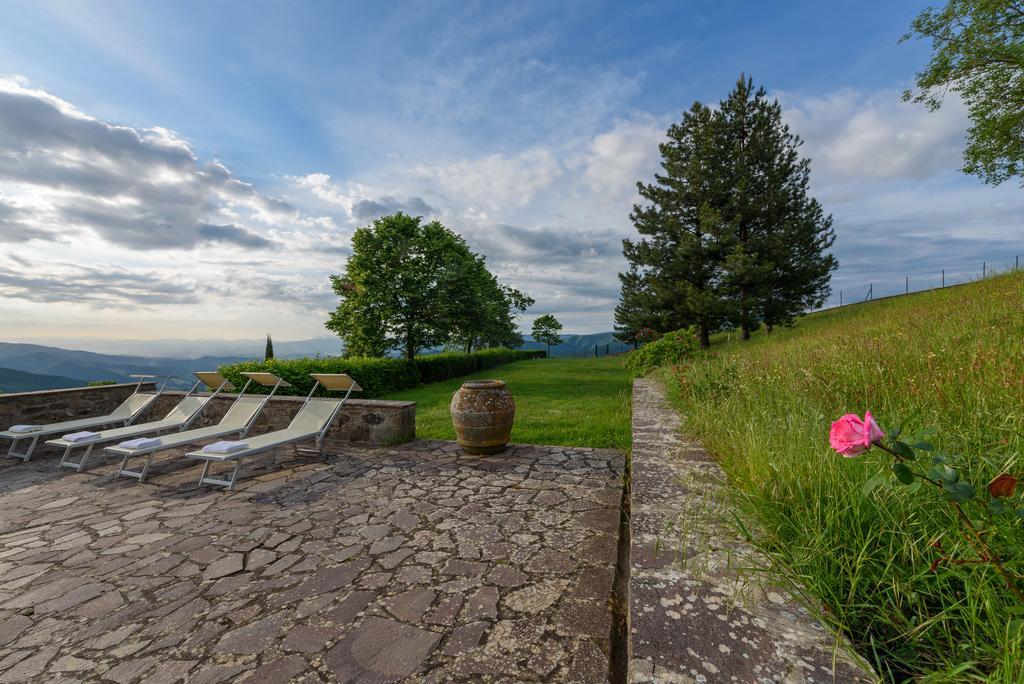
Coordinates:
x,y
26,367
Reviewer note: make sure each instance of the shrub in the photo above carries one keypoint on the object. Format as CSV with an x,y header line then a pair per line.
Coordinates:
x,y
670,349
100,383
377,376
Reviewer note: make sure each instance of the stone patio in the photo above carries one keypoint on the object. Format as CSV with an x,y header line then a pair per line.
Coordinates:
x,y
380,564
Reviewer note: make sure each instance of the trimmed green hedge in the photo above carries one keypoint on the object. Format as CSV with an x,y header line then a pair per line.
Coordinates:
x,y
377,377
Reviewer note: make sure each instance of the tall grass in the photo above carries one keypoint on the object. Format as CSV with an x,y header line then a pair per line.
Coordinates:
x,y
951,359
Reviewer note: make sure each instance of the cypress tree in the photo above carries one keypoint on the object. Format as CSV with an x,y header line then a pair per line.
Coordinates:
x,y
268,353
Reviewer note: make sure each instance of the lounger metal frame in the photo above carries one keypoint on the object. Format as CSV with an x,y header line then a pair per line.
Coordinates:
x,y
66,462
205,478
124,422
140,475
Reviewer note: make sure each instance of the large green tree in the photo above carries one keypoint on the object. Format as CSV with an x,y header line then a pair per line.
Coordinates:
x,y
777,264
730,235
684,240
410,286
483,314
978,53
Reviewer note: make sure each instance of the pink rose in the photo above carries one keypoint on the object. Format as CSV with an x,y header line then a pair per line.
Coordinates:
x,y
851,436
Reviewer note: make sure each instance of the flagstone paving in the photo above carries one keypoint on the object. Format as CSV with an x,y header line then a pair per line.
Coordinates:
x,y
415,562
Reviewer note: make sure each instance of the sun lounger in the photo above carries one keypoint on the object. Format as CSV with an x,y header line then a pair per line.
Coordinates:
x,y
180,417
311,422
125,414
238,420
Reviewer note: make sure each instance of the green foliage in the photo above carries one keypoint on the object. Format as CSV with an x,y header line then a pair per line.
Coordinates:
x,y
763,408
729,234
411,286
268,353
436,367
100,383
377,376
668,350
978,53
572,402
546,329
634,313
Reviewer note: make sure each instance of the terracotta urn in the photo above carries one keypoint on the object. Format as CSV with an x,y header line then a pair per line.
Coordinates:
x,y
482,412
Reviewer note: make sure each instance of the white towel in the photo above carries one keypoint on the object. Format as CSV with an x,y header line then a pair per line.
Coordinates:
x,y
25,428
83,436
140,443
228,447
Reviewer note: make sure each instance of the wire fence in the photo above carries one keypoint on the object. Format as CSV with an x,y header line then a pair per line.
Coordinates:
x,y
599,350
920,282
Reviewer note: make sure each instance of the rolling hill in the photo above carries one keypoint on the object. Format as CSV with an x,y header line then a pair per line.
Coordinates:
x,y
12,380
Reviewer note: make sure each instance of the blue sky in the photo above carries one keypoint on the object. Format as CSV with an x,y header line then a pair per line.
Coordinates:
x,y
266,132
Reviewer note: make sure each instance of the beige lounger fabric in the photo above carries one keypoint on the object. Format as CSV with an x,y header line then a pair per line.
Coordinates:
x,y
234,420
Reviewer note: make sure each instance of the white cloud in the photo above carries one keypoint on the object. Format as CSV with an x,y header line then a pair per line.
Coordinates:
x,y
618,158
854,136
494,183
142,189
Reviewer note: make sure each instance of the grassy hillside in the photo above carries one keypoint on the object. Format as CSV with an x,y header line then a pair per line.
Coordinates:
x,y
951,359
570,402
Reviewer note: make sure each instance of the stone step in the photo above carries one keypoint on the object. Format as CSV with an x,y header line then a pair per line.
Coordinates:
x,y
699,611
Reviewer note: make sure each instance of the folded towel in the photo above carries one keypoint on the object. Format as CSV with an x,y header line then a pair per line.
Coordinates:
x,y
83,436
25,428
140,443
224,447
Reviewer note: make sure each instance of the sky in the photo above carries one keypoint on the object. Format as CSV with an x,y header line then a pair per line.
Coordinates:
x,y
196,170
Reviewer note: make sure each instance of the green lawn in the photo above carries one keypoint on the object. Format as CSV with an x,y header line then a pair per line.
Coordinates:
x,y
951,359
569,402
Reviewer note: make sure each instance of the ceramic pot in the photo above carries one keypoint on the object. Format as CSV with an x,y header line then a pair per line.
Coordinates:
x,y
482,413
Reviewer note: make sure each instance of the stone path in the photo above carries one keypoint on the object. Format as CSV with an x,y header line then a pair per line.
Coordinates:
x,y
378,565
696,614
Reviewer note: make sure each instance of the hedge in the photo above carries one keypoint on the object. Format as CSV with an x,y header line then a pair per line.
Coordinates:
x,y
376,376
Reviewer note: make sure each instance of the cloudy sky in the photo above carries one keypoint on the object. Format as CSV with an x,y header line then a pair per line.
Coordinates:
x,y
197,169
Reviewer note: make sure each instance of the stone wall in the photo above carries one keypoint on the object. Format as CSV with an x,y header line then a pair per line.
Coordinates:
x,y
366,421
54,406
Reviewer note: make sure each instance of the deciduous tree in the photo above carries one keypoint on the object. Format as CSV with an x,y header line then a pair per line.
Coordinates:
x,y
546,329
978,53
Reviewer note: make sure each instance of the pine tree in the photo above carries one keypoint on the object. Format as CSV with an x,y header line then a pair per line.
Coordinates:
x,y
729,234
777,266
684,243
269,351
633,314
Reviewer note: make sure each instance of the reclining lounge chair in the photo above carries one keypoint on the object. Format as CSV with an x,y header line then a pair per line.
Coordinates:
x,y
180,417
311,422
125,414
238,420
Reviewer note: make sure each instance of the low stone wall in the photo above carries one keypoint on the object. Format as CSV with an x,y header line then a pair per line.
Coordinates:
x,y
698,608
367,421
54,406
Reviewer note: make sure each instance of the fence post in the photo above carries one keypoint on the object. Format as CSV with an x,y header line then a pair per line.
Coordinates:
x,y
983,265
1016,262
943,277
840,298
907,291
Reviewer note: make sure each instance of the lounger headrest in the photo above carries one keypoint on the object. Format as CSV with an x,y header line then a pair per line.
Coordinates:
x,y
213,380
338,382
266,379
